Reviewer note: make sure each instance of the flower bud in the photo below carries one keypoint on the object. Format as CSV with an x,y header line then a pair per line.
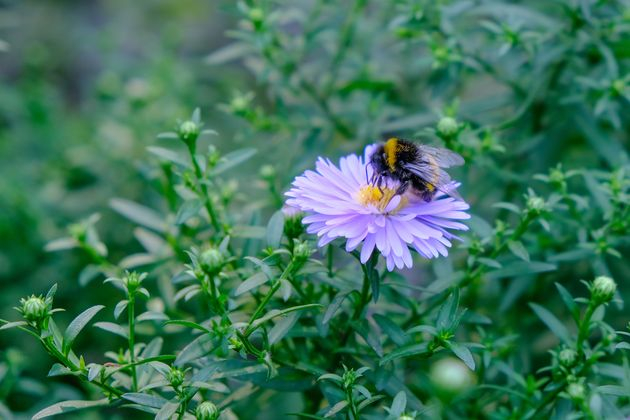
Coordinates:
x,y
267,172
207,411
34,308
576,391
535,205
293,226
451,376
603,289
176,377
256,15
301,252
133,280
406,417
448,127
211,261
188,131
568,357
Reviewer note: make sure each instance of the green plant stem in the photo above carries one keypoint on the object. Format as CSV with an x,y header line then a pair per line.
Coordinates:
x,y
585,326
364,298
49,345
214,219
132,339
274,288
351,405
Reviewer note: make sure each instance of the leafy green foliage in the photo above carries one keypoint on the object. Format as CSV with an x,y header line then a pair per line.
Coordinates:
x,y
209,297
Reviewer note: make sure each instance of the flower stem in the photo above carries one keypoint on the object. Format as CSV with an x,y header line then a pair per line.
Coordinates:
x,y
214,219
274,288
132,339
585,326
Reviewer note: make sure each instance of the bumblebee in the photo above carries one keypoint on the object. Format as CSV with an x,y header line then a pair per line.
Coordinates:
x,y
415,166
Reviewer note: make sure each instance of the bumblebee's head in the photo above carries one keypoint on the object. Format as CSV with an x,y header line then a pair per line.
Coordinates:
x,y
378,160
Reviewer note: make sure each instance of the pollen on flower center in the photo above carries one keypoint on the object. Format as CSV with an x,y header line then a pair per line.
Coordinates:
x,y
379,198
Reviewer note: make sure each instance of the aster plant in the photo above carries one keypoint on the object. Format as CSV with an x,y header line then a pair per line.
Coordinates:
x,y
260,271
342,202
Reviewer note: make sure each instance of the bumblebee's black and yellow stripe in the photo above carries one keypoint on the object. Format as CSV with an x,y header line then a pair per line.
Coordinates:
x,y
413,165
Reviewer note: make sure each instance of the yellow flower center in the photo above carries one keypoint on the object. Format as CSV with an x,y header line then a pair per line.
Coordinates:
x,y
379,198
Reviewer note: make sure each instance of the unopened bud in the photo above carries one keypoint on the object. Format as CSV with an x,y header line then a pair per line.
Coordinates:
x,y
603,289
212,261
207,411
535,205
256,15
568,357
188,131
176,377
448,127
576,391
293,226
301,252
34,308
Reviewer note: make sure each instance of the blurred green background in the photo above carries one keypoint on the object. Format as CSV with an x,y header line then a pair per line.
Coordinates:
x,y
86,85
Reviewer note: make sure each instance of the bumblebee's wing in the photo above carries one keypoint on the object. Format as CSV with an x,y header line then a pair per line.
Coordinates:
x,y
432,175
443,158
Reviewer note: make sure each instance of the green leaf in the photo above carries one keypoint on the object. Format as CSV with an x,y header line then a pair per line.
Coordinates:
x,y
189,209
282,327
120,307
448,311
334,305
568,301
68,406
552,323
14,324
463,353
60,370
188,324
275,229
89,273
197,348
232,159
274,313
616,390
113,328
336,408
406,351
398,405
252,282
521,268
517,248
154,401
391,329
168,155
138,213
78,324
168,410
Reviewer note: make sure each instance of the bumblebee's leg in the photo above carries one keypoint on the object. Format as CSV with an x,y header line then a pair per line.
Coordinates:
x,y
402,188
379,182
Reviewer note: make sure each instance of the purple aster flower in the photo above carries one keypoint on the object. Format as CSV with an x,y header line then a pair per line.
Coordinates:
x,y
339,202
